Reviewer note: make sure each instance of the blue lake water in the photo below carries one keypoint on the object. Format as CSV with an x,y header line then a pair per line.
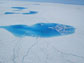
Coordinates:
x,y
31,12
19,8
15,9
40,30
76,2
10,13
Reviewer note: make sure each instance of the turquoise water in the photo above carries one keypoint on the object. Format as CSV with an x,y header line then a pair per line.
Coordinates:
x,y
40,30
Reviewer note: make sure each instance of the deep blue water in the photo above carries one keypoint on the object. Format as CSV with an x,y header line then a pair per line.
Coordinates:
x,y
18,8
31,12
26,13
76,2
9,13
40,30
15,9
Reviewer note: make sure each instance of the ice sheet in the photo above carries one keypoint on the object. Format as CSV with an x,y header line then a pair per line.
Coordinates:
x,y
59,49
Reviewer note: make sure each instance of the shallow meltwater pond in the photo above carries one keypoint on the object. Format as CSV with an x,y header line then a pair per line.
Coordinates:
x,y
19,10
30,12
40,30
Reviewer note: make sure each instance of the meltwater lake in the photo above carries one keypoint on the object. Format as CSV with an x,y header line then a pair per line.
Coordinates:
x,y
40,30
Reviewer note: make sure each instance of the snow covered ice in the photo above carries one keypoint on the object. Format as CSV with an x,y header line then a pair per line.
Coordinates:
x,y
17,17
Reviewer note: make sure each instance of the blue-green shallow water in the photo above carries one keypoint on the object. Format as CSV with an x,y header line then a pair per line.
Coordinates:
x,y
40,30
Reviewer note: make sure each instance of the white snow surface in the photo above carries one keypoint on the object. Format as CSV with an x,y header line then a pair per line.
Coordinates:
x,y
62,49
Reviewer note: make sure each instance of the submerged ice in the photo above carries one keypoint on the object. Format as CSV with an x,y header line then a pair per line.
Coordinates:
x,y
40,30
